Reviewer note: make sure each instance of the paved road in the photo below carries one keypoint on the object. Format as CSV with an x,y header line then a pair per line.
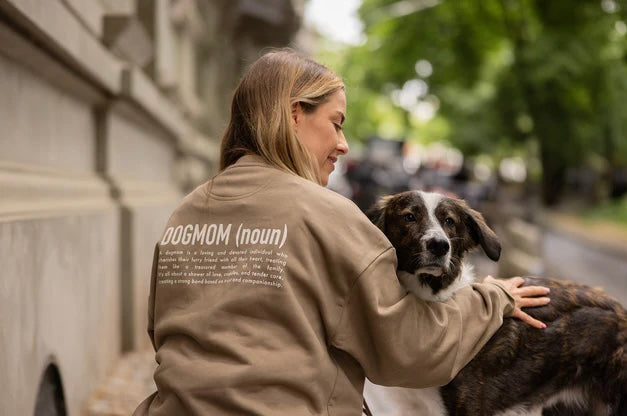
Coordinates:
x,y
568,258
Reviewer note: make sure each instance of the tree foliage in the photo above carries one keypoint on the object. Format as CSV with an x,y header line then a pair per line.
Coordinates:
x,y
505,73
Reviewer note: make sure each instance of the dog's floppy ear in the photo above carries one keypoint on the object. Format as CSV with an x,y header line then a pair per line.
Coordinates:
x,y
376,213
482,234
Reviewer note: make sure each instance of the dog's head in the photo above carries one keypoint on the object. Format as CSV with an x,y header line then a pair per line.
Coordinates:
x,y
431,234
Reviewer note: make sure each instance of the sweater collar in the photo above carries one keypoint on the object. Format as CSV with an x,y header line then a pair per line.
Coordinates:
x,y
241,179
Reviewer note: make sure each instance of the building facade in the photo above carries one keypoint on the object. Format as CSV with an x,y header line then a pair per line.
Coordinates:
x,y
110,111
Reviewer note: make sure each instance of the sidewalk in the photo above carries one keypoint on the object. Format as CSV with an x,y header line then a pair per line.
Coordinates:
x,y
129,383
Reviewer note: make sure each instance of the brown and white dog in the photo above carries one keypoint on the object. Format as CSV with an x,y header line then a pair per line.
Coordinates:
x,y
576,366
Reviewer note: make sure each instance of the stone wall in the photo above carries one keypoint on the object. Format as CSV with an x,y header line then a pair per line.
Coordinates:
x,y
110,111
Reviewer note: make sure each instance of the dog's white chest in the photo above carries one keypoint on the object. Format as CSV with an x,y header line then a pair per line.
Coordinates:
x,y
413,285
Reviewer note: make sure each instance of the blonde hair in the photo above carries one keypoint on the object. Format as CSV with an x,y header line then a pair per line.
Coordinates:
x,y
261,111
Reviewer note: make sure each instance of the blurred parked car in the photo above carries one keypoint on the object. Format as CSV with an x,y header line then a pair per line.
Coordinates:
x,y
379,172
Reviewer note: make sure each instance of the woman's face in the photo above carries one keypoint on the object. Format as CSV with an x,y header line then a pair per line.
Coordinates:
x,y
321,132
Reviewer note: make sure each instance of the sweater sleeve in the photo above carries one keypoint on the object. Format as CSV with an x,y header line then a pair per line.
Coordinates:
x,y
401,340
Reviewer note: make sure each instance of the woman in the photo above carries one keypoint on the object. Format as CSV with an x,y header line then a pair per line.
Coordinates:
x,y
272,295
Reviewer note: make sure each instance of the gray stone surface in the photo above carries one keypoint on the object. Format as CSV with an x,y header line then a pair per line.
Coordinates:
x,y
130,140
138,88
90,14
41,124
94,155
142,227
55,25
60,296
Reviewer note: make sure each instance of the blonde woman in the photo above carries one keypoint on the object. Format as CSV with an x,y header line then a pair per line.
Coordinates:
x,y
272,295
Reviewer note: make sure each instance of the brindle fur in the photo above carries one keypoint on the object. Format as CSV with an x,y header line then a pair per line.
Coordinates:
x,y
582,348
468,231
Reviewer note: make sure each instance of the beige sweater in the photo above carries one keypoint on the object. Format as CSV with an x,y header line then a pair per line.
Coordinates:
x,y
272,295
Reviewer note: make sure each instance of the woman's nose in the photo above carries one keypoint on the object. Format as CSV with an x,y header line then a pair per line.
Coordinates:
x,y
342,145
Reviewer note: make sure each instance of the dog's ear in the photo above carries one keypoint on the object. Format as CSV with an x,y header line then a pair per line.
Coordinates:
x,y
482,234
376,213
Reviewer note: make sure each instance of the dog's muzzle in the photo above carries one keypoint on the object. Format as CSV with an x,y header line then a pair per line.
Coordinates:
x,y
438,246
434,259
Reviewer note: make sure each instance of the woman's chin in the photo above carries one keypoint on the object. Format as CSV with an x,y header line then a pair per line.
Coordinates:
x,y
325,172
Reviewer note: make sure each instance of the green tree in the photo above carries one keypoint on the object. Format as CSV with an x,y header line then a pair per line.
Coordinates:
x,y
505,73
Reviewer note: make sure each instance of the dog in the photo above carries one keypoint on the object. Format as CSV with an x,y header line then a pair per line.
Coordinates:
x,y
576,366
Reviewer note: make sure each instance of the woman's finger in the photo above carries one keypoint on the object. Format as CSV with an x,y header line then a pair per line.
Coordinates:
x,y
528,319
528,291
532,302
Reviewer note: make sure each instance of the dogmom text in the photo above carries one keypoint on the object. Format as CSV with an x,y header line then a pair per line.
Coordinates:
x,y
221,234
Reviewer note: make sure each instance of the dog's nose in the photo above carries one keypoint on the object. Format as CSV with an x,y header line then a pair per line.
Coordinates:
x,y
438,246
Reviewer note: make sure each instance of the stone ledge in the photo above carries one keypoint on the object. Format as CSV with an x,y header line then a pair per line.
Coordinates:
x,y
520,263
31,192
23,51
128,384
200,146
54,26
141,90
528,236
90,13
144,193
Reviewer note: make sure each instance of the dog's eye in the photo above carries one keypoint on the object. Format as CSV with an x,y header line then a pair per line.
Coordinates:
x,y
449,222
409,217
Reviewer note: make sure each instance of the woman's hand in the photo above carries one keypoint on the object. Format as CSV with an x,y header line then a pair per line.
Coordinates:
x,y
527,296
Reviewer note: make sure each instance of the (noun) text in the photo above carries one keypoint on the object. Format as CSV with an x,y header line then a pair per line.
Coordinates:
x,y
221,234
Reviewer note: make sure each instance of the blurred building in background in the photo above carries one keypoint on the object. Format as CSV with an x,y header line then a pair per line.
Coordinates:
x,y
110,111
